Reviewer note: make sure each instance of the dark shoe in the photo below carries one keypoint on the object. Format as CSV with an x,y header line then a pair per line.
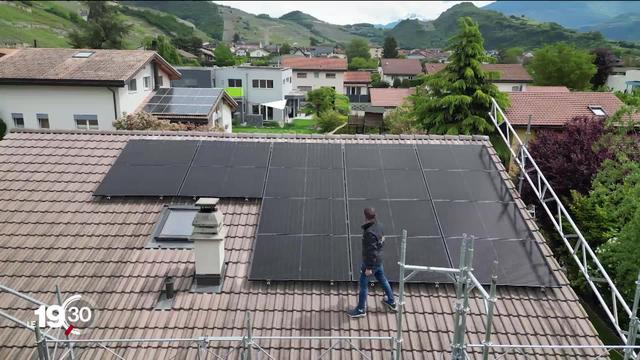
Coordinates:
x,y
356,313
391,306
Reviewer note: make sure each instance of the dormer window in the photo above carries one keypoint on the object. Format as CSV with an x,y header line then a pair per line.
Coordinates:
x,y
83,54
597,110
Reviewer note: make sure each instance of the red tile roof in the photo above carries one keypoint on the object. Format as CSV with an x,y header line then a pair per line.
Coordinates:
x,y
533,88
389,97
43,65
508,72
314,63
401,66
556,108
357,77
52,231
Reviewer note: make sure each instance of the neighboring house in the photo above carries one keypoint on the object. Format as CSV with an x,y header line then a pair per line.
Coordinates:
x,y
56,233
207,55
76,88
389,98
376,52
433,55
314,73
551,110
297,51
555,89
266,91
513,77
356,86
194,77
187,55
240,52
624,79
401,69
321,51
258,53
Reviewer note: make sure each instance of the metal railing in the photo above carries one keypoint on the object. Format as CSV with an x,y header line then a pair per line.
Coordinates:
x,y
585,258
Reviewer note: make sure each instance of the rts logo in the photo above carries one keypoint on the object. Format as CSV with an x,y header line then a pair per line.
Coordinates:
x,y
73,315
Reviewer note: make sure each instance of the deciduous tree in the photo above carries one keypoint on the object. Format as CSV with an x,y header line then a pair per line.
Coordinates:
x,y
361,63
320,100
358,48
604,61
223,56
457,99
563,64
164,48
104,28
285,49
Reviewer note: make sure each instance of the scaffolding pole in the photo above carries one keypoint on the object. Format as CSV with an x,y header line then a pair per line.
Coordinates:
x,y
403,258
633,324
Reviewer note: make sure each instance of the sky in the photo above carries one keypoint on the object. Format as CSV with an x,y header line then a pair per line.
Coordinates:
x,y
350,12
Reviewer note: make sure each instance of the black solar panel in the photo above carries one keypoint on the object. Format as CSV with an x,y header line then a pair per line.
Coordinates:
x,y
148,168
324,216
241,182
286,183
183,101
325,258
420,251
276,257
520,262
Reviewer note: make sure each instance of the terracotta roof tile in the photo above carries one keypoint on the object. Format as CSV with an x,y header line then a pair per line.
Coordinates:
x,y
401,66
97,247
389,97
357,77
508,72
556,108
42,64
314,63
533,88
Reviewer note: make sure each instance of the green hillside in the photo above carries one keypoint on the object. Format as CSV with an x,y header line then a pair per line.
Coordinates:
x,y
325,32
49,22
622,27
499,31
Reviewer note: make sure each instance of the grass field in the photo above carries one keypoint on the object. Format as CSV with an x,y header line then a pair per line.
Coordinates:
x,y
299,126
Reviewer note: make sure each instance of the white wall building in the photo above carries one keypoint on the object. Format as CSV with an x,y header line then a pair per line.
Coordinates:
x,y
401,69
314,73
511,77
77,89
262,85
624,79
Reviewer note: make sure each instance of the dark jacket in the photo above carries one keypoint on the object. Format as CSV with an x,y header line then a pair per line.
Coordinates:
x,y
372,244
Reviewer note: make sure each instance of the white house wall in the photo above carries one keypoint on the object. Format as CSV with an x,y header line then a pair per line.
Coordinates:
x,y
282,85
618,82
129,101
321,81
59,102
506,87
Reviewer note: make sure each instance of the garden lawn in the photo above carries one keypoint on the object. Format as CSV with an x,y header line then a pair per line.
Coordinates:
x,y
299,126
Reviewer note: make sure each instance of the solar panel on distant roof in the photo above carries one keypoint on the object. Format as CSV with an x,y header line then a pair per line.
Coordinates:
x,y
183,101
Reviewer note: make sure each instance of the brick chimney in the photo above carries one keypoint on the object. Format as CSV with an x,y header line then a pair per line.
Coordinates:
x,y
208,237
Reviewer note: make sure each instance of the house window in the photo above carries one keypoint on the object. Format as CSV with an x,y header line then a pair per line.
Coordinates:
x,y
597,110
255,109
516,88
262,84
316,75
269,84
146,81
86,122
43,120
304,88
235,82
133,85
83,54
255,83
174,226
302,75
159,81
330,75
18,120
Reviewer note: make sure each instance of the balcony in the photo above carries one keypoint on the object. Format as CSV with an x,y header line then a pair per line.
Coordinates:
x,y
359,98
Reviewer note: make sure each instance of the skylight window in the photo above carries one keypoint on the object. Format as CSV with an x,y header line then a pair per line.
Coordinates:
x,y
174,227
597,110
83,54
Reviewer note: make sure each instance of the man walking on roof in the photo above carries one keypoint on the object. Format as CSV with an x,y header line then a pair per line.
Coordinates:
x,y
372,244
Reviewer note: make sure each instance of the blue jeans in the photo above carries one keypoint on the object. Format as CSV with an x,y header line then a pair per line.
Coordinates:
x,y
378,272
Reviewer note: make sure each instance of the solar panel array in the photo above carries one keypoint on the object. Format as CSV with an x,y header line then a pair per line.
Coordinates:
x,y
182,101
314,194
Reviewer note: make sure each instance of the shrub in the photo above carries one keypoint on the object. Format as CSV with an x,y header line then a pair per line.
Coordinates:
x,y
329,120
342,104
145,121
3,128
401,120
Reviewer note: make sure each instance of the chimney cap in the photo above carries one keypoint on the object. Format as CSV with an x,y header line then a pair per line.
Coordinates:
x,y
207,202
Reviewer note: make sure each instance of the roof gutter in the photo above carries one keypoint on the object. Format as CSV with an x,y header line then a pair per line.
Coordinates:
x,y
115,106
61,82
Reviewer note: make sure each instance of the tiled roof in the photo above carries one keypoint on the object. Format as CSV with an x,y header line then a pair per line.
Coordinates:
x,y
357,77
389,97
556,108
314,63
532,88
508,72
52,231
401,66
58,65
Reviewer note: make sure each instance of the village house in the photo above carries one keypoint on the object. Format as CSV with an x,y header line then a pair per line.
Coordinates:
x,y
400,69
78,89
313,73
624,79
512,77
